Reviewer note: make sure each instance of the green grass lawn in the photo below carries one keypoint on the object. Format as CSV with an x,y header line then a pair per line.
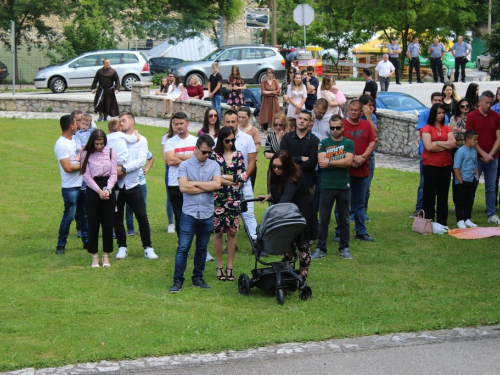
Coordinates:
x,y
57,310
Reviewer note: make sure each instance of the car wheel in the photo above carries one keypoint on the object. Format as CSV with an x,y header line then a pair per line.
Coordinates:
x,y
128,80
57,85
200,78
479,67
262,76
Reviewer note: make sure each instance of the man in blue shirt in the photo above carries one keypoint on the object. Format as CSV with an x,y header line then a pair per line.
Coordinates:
x,y
198,178
460,52
436,53
311,83
436,98
413,52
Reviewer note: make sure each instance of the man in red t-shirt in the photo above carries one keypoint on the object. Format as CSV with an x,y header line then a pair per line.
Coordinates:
x,y
487,125
361,133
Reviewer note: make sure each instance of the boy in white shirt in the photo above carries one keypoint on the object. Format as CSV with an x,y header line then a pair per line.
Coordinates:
x,y
118,140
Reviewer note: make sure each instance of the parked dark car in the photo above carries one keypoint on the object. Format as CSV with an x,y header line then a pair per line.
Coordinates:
x,y
400,102
3,71
162,64
253,98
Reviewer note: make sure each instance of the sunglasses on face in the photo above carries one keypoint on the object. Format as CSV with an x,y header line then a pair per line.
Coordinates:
x,y
206,152
465,106
279,125
228,141
278,167
335,127
212,115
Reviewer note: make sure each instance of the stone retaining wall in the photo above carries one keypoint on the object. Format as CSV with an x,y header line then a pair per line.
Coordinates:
x,y
397,133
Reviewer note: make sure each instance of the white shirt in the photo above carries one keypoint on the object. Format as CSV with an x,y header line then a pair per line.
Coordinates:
x,y
244,144
184,146
137,155
118,142
66,148
384,68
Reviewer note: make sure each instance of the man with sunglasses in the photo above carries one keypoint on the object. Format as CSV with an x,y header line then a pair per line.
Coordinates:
x,y
199,177
335,156
311,83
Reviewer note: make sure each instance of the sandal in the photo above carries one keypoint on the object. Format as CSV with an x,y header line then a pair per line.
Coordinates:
x,y
94,265
230,275
221,276
105,264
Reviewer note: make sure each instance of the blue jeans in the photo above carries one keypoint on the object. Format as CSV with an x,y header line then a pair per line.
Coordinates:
x,y
358,194
420,191
215,102
189,227
490,174
73,198
129,215
371,170
170,210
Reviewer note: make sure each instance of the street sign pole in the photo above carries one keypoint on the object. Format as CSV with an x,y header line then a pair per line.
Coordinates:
x,y
304,23
13,51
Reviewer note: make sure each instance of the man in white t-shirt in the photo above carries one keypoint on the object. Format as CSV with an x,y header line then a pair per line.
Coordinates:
x,y
245,144
177,149
130,191
383,72
73,197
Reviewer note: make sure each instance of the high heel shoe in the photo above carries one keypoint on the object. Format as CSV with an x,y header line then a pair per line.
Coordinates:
x,y
94,256
221,276
105,264
229,275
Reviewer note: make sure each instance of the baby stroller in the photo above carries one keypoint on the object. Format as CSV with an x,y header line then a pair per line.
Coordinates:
x,y
280,225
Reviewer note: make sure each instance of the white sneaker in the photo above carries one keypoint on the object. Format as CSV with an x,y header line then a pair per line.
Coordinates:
x,y
494,219
149,253
171,228
122,253
209,257
470,224
461,225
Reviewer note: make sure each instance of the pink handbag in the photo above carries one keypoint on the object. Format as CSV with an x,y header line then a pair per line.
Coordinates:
x,y
421,224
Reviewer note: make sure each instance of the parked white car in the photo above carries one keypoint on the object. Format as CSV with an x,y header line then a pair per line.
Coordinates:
x,y
131,66
484,62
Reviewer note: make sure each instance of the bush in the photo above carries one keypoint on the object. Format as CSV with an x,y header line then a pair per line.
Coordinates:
x,y
157,78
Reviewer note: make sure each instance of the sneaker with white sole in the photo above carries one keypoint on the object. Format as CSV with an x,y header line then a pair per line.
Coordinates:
x,y
461,225
494,219
122,253
149,253
470,224
171,228
209,257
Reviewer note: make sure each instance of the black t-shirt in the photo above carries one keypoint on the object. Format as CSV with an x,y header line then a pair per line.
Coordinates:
x,y
371,89
213,81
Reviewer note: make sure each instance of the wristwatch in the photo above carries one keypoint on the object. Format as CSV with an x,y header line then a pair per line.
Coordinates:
x,y
124,170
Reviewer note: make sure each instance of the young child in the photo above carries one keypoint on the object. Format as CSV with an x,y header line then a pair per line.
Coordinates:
x,y
82,135
118,140
467,178
214,88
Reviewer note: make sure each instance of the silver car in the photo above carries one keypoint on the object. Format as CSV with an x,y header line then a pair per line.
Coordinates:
x,y
131,66
252,60
484,62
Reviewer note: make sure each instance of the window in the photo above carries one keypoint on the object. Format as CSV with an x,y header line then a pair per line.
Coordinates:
x,y
268,52
129,58
114,58
251,54
86,61
230,55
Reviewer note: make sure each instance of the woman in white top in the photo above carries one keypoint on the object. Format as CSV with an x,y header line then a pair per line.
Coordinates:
x,y
296,95
174,93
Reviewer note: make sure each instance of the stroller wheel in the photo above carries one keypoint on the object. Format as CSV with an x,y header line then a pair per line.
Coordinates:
x,y
305,293
244,284
280,298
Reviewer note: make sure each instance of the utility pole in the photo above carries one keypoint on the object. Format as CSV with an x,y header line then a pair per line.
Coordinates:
x,y
489,18
274,37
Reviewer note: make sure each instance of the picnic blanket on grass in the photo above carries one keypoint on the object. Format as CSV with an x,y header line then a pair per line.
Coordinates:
x,y
474,233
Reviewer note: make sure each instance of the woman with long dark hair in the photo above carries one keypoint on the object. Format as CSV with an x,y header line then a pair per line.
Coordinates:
x,y
174,92
270,89
211,123
227,199
287,184
437,161
235,84
169,208
472,94
450,99
284,86
99,173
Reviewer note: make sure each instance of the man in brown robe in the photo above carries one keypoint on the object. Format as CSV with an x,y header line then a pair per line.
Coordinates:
x,y
105,102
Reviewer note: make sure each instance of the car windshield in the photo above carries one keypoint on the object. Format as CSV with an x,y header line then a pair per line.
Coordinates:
x,y
400,101
212,56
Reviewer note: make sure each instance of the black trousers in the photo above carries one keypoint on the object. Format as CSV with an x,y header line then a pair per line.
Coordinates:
x,y
437,69
176,198
395,62
100,213
253,176
460,63
134,198
414,63
436,184
464,201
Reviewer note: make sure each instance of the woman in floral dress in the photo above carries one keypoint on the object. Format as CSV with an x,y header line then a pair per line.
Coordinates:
x,y
235,85
227,199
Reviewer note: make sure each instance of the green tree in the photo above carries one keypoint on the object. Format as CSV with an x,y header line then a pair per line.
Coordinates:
x,y
30,19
